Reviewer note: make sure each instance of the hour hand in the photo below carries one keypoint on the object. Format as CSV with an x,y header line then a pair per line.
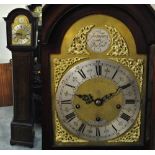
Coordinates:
x,y
87,98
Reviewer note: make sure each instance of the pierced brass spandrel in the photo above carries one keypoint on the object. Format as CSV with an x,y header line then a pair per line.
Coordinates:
x,y
79,44
63,136
119,46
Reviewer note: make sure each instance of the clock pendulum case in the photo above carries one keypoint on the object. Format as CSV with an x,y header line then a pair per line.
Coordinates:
x,y
98,82
21,41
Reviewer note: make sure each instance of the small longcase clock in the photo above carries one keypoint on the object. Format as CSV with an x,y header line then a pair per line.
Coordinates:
x,y
21,41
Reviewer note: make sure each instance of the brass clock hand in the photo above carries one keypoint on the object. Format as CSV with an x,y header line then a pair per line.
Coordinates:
x,y
87,98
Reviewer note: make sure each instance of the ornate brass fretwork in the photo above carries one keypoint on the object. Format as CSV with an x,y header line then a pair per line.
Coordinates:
x,y
79,44
118,44
63,136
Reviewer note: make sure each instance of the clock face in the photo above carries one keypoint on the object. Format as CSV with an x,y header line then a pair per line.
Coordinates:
x,y
97,100
21,34
98,40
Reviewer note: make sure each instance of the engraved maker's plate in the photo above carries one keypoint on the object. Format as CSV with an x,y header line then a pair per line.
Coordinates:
x,y
98,40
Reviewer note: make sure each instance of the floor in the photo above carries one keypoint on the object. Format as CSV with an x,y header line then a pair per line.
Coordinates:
x,y
6,114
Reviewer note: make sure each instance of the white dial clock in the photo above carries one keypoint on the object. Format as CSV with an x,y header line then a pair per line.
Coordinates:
x,y
97,100
98,40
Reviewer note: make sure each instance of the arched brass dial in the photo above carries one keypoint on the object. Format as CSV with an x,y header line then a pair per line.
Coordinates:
x,y
21,31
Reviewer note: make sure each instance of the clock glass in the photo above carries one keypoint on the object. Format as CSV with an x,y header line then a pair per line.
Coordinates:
x,y
97,100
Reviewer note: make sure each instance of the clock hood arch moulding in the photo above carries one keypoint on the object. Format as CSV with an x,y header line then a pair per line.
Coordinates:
x,y
57,19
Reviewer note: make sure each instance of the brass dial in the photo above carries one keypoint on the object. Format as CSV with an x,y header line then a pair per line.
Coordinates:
x,y
21,31
98,100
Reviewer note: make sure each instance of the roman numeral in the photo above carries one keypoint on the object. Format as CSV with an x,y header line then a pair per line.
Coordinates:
x,y
82,73
114,127
125,116
125,86
97,132
82,127
115,73
98,69
70,86
130,101
66,102
70,116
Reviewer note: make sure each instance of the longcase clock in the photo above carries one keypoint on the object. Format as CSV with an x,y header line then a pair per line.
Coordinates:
x,y
96,66
21,41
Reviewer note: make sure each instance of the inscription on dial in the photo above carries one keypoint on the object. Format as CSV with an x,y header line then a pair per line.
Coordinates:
x,y
98,40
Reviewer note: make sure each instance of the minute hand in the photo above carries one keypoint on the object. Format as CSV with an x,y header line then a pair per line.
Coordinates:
x,y
111,95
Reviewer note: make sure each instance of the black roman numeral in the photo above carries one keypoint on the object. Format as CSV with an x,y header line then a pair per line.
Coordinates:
x,y
82,73
130,101
70,116
125,116
97,132
66,102
114,127
125,86
98,69
70,86
82,127
115,73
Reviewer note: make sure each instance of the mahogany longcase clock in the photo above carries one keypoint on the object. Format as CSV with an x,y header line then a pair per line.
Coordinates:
x,y
21,41
97,76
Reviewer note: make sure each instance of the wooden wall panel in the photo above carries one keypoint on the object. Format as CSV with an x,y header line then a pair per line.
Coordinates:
x,y
6,97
